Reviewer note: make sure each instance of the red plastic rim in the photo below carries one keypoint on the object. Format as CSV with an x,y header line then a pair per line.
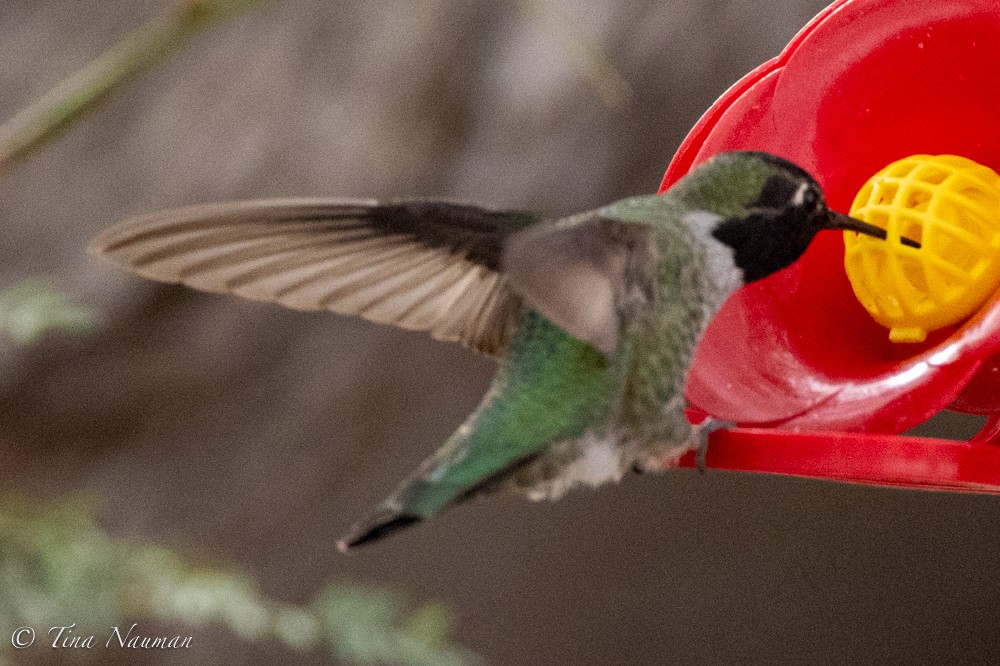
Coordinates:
x,y
881,460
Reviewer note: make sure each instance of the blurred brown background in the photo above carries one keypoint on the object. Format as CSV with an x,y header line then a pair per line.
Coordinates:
x,y
252,434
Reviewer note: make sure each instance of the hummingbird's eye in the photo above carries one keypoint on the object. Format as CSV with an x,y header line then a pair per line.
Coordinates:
x,y
810,199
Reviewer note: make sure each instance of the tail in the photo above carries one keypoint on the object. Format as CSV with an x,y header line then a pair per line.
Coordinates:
x,y
548,388
417,499
441,482
375,527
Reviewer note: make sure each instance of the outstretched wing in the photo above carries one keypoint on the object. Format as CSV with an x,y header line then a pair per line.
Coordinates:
x,y
419,265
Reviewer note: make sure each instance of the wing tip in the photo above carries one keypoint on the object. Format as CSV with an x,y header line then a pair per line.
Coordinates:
x,y
102,244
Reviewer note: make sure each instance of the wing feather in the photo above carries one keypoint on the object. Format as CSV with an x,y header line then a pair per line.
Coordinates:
x,y
419,265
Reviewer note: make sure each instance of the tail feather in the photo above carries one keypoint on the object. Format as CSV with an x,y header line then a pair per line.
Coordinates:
x,y
379,525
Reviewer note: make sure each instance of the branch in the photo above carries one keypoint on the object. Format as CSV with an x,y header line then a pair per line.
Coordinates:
x,y
55,111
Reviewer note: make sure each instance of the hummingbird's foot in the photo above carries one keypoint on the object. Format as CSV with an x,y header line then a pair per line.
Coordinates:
x,y
702,431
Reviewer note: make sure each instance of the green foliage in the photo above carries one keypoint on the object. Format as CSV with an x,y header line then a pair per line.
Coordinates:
x,y
36,306
58,568
371,628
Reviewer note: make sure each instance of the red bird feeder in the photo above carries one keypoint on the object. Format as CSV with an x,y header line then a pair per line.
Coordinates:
x,y
814,382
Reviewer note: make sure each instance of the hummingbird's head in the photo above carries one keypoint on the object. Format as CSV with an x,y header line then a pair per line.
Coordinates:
x,y
766,209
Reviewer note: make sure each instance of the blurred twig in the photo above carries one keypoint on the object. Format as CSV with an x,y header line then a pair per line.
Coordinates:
x,y
57,568
56,110
594,64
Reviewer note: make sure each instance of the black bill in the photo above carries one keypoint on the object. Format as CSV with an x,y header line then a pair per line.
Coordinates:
x,y
837,220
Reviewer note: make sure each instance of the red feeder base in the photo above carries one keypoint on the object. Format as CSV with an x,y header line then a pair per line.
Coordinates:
x,y
882,460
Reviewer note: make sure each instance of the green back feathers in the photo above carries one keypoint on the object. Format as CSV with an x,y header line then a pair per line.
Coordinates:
x,y
550,387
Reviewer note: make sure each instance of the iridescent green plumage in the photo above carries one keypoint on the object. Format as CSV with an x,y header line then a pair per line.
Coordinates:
x,y
564,422
550,387
594,318
560,413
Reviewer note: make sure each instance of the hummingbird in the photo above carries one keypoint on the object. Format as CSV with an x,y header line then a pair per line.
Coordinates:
x,y
593,318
